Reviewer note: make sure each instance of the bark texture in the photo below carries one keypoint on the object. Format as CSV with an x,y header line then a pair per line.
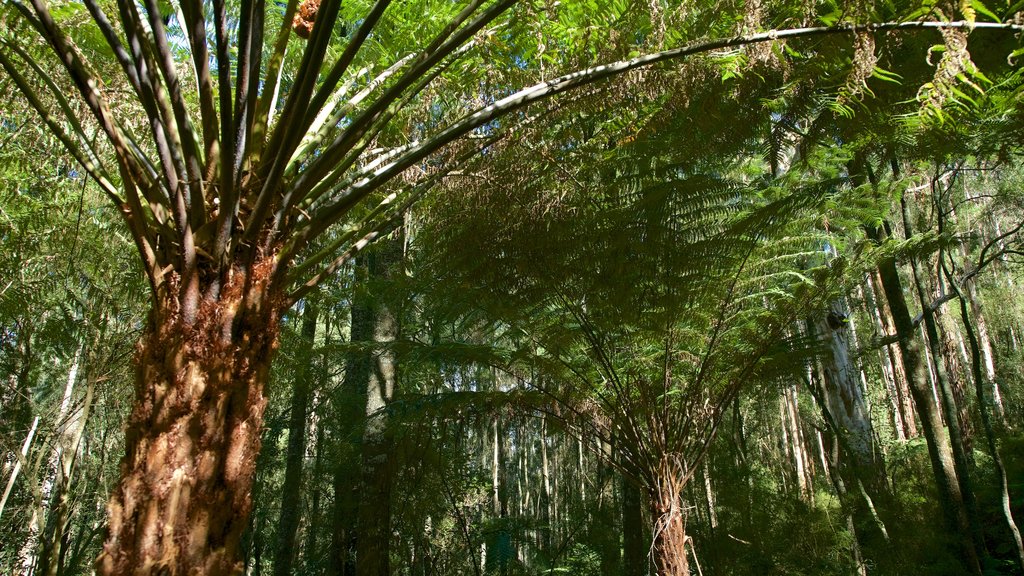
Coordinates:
x,y
939,449
194,432
669,547
373,550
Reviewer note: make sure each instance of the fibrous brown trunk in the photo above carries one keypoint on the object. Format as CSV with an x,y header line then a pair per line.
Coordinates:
x,y
194,432
669,547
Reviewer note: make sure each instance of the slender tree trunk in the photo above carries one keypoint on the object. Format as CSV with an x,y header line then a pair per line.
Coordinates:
x,y
545,498
604,532
895,356
312,547
961,461
987,352
194,432
939,449
373,548
17,465
990,437
350,410
72,430
634,537
801,462
295,455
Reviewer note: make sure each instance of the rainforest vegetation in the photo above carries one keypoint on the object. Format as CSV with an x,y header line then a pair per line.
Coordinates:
x,y
511,287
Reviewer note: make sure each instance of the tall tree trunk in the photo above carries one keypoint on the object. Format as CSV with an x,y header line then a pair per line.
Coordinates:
x,y
858,476
71,432
961,462
634,539
796,446
193,435
373,548
295,455
17,464
604,534
939,450
990,437
311,550
545,500
987,352
350,410
892,372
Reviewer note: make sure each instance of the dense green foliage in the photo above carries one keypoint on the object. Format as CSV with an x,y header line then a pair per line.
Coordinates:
x,y
634,287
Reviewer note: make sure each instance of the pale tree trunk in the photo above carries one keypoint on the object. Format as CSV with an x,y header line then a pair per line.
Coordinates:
x,y
987,353
545,500
291,489
989,231
69,439
797,446
17,464
709,497
373,548
844,395
39,546
858,475
194,433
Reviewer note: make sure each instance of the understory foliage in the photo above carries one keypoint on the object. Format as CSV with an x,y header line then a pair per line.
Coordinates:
x,y
623,329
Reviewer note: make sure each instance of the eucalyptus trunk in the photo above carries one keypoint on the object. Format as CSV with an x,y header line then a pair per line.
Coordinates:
x,y
939,449
194,433
291,490
350,423
373,548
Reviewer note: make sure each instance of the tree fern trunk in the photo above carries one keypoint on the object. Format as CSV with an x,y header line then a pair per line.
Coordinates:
x,y
669,517
194,433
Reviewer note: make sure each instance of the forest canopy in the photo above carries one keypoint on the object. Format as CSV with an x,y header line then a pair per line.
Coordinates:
x,y
511,287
